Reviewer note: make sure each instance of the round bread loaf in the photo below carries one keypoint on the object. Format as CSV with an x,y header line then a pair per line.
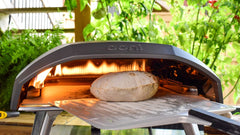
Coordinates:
x,y
125,86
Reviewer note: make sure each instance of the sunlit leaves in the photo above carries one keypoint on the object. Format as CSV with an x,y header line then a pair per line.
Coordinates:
x,y
18,50
83,4
70,4
123,25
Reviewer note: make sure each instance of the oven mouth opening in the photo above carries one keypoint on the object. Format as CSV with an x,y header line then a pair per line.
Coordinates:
x,y
72,80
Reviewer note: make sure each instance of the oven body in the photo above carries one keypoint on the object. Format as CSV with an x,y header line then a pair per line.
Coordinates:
x,y
112,50
171,64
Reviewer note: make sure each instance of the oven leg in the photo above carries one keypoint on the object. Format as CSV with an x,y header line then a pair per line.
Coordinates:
x,y
95,131
191,129
43,122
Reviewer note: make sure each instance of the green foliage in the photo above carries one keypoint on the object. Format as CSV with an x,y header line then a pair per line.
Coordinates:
x,y
207,29
237,113
128,23
72,4
136,131
18,50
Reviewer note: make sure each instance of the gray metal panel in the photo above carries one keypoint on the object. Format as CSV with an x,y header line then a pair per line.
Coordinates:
x,y
163,110
91,50
188,58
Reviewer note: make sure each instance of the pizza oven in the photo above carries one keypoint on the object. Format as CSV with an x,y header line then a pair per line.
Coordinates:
x,y
60,79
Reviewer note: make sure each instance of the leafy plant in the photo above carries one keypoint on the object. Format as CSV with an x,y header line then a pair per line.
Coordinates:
x,y
18,50
207,29
237,113
132,21
135,131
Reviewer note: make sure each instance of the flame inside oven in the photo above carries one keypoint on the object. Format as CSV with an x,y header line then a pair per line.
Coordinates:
x,y
38,81
88,67
103,68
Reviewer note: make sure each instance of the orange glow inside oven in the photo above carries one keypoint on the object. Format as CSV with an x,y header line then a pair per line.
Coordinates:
x,y
88,67
103,68
38,81
72,80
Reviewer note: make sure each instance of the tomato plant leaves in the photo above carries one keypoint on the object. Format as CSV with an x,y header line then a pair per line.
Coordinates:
x,y
18,50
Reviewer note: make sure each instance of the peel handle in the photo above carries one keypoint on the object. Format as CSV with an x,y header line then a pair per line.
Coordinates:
x,y
221,123
4,114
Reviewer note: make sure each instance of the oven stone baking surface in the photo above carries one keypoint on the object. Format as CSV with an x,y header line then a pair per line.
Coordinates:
x,y
167,109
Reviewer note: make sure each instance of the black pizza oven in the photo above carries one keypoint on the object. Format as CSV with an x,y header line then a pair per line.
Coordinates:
x,y
158,56
66,72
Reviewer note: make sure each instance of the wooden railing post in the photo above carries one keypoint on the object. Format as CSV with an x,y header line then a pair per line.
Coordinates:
x,y
81,20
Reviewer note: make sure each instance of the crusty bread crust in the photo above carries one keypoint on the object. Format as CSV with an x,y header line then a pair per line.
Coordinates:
x,y
125,86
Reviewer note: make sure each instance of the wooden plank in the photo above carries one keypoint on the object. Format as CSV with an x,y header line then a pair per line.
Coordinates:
x,y
15,130
166,16
33,10
82,19
213,131
68,30
164,6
